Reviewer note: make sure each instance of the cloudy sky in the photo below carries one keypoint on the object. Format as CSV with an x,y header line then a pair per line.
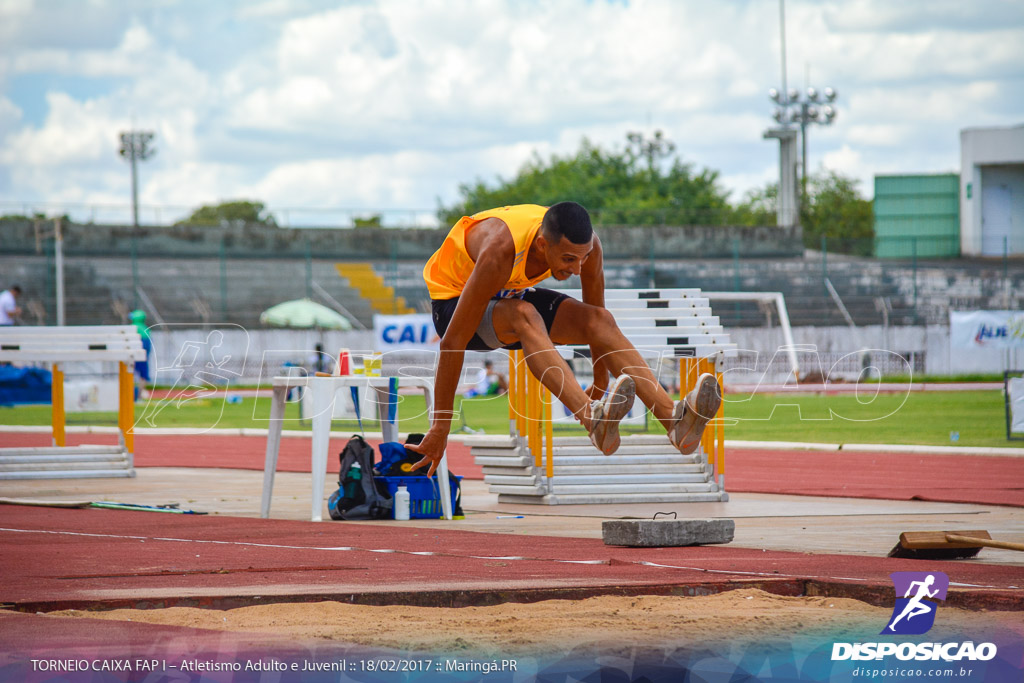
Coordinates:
x,y
388,105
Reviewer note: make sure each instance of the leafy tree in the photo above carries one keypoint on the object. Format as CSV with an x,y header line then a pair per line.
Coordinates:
x,y
38,215
239,211
758,206
371,221
630,186
834,209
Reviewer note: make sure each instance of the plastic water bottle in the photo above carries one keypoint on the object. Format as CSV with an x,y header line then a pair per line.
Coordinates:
x,y
353,481
402,503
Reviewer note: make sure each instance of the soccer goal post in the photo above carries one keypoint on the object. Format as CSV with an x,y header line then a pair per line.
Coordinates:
x,y
779,301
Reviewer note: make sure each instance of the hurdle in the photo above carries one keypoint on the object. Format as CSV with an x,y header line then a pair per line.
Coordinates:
x,y
56,345
532,465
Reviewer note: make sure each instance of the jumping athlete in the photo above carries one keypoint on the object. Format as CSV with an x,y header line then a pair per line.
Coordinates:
x,y
481,283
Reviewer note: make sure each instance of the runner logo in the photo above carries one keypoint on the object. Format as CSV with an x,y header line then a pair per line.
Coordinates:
x,y
914,613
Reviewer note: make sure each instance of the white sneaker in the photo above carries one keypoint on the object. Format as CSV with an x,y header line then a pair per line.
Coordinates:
x,y
692,414
606,413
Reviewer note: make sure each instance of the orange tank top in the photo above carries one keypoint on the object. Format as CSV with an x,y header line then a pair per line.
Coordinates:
x,y
449,268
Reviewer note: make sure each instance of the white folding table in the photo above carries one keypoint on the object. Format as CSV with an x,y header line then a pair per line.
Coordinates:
x,y
323,391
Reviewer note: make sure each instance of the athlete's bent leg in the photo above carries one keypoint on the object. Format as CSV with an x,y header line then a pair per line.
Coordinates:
x,y
579,323
684,421
514,321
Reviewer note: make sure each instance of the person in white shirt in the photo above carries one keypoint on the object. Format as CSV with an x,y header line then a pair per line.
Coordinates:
x,y
9,309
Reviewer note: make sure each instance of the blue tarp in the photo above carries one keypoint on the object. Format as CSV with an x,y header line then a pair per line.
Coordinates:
x,y
24,385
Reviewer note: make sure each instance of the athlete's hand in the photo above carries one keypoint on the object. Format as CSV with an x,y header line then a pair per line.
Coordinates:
x,y
431,448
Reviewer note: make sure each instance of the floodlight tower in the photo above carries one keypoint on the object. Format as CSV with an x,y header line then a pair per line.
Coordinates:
x,y
135,148
811,106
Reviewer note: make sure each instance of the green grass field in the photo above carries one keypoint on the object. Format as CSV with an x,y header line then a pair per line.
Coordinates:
x,y
917,418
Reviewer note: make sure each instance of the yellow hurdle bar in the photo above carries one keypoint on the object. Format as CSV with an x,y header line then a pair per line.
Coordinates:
x,y
548,433
57,418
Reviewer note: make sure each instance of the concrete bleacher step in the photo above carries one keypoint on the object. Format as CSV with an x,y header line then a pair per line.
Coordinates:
x,y
541,489
84,451
663,449
111,464
513,459
489,441
628,480
77,462
662,469
637,454
627,440
659,472
65,474
591,457
646,468
613,499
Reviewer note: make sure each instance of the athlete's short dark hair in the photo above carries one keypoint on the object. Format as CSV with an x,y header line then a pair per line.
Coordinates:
x,y
569,220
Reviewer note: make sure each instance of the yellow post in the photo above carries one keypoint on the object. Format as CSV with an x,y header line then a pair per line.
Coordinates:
x,y
548,433
682,378
708,438
533,418
720,429
511,393
685,376
120,398
126,406
57,409
521,392
691,379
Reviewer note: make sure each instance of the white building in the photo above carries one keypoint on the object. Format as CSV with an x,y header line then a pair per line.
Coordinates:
x,y
992,191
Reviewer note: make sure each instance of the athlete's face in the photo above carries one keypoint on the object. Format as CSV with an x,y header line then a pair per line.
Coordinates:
x,y
566,259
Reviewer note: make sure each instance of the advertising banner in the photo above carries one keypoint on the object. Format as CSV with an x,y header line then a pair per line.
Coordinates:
x,y
400,332
986,329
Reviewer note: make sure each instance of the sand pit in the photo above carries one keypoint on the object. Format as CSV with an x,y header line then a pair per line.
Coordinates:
x,y
606,624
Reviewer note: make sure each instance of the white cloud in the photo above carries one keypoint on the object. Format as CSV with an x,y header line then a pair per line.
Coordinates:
x,y
10,114
395,102
74,133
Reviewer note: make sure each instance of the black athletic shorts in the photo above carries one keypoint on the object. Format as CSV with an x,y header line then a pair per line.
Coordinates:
x,y
546,301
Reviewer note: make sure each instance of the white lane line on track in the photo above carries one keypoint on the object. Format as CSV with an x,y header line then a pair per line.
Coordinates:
x,y
642,563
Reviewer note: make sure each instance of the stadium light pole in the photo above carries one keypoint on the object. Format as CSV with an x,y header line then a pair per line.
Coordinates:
x,y
810,106
135,148
786,213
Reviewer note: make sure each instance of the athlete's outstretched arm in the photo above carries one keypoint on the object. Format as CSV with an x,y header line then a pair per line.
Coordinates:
x,y
493,266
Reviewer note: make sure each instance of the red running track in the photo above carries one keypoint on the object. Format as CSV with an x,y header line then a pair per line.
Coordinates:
x,y
982,479
988,480
67,558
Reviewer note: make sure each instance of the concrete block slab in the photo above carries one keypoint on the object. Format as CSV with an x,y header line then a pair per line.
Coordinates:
x,y
661,533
